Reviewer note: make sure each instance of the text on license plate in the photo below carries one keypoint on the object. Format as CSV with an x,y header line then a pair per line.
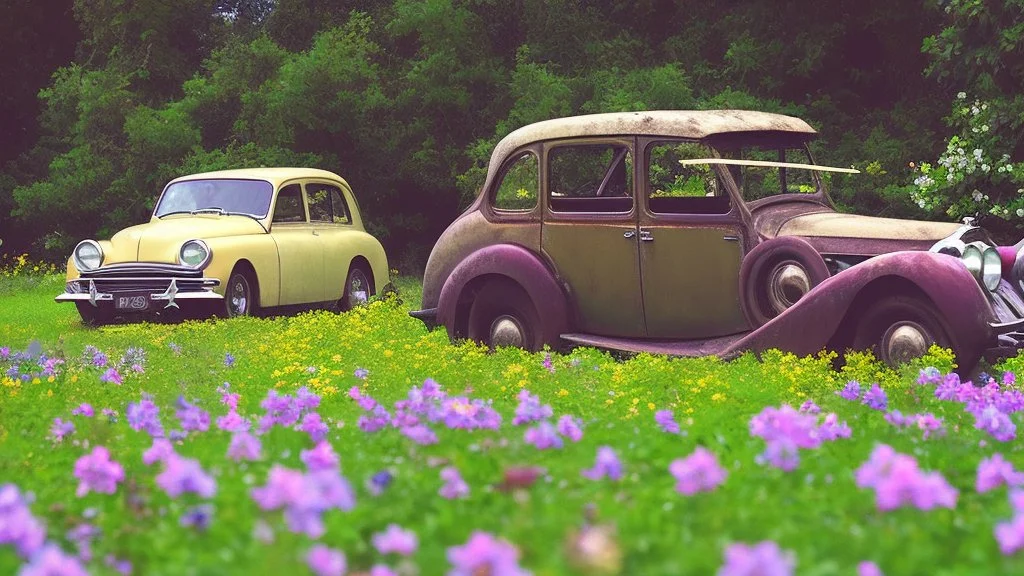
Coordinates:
x,y
130,302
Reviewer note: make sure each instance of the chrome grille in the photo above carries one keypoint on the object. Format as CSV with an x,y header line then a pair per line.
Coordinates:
x,y
151,277
1007,303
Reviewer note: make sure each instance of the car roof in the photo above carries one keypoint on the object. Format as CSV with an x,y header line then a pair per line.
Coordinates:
x,y
694,124
273,175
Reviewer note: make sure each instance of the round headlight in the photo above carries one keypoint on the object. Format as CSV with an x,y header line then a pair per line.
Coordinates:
x,y
194,254
974,260
88,255
984,263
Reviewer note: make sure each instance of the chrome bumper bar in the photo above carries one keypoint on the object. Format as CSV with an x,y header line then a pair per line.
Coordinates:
x,y
171,295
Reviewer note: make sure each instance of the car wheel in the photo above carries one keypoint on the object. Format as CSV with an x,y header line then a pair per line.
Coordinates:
x,y
775,275
502,314
240,296
358,289
94,315
899,329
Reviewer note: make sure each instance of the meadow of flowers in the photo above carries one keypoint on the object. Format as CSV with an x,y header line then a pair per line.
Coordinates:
x,y
360,443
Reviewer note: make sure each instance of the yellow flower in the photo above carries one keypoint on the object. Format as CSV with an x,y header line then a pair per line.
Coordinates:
x,y
563,393
717,397
651,406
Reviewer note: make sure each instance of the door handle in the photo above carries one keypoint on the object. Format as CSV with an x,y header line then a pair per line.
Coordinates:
x,y
316,233
629,234
731,238
646,236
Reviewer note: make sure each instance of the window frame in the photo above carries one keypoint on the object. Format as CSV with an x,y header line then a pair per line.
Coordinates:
x,y
724,189
302,202
331,186
628,142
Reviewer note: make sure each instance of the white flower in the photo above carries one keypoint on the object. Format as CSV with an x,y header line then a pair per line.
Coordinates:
x,y
984,127
977,153
984,167
984,106
961,95
976,195
921,204
1020,212
975,110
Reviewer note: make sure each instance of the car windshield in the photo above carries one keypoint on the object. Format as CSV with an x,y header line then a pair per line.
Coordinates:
x,y
251,197
757,182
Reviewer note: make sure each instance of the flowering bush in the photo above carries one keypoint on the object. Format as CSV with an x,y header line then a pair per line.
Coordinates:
x,y
975,174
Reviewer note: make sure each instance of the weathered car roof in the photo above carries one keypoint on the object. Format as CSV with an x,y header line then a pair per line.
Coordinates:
x,y
678,123
273,175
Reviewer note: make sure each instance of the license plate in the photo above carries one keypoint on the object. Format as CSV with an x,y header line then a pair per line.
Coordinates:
x,y
131,302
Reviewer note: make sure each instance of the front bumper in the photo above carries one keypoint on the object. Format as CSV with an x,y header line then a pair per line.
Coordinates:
x,y
141,287
428,316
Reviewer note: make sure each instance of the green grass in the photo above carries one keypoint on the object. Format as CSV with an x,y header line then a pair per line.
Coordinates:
x,y
816,511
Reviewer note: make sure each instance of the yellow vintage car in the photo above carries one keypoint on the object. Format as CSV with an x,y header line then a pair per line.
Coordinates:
x,y
232,243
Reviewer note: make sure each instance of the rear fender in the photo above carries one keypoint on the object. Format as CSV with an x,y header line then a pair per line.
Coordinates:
x,y
518,265
813,322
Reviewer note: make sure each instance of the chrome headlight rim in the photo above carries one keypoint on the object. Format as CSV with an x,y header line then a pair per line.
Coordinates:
x,y
1017,272
202,245
988,269
77,259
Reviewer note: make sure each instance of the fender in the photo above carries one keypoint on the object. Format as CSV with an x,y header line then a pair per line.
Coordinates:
x,y
519,265
810,323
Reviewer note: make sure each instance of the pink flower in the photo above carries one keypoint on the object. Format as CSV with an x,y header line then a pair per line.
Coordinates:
x,y
867,568
763,558
607,464
324,561
322,457
158,452
485,554
395,540
994,472
569,427
183,475
244,446
96,472
697,472
454,486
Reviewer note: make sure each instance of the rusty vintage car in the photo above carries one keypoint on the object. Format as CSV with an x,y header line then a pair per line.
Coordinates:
x,y
231,243
706,232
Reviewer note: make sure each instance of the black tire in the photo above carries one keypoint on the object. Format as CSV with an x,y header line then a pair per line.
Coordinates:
x,y
241,294
504,301
761,265
358,288
95,315
880,321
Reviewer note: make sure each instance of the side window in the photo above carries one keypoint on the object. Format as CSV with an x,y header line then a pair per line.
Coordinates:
x,y
677,186
590,178
339,208
289,205
518,188
318,197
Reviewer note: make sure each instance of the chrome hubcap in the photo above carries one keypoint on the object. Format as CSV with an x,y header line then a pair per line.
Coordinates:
x,y
506,331
239,296
788,283
905,341
357,289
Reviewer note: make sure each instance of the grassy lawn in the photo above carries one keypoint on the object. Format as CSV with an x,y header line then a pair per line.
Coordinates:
x,y
560,520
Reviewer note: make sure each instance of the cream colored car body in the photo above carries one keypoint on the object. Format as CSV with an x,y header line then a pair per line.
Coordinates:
x,y
294,262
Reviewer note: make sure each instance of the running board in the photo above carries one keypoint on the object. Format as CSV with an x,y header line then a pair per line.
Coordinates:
x,y
692,348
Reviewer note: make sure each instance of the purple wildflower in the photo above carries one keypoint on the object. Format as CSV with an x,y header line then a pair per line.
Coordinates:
x,y
809,407
52,560
1010,535
875,398
548,364
324,561
867,568
377,483
304,497
666,421
192,417
948,388
112,376
377,419
832,429
382,570
322,457
361,373
233,422
181,475
83,409
17,524
122,567
931,425
996,423
763,558
898,482
111,415
96,472
82,536
314,426
569,427
697,472
145,415
306,400
244,446
454,486
420,434
607,464
60,429
543,436
229,359
929,376
1009,379
158,452
851,391
197,517
530,409
485,554
994,472
228,398
395,540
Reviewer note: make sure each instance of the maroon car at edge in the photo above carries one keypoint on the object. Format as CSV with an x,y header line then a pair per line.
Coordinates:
x,y
706,232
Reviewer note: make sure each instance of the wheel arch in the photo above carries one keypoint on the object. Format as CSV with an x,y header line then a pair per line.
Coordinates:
x,y
514,264
360,261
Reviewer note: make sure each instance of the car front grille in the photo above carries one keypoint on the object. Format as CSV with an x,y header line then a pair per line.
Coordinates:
x,y
151,277
1007,303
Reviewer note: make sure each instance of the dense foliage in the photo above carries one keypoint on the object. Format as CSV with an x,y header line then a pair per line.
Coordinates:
x,y
405,98
241,446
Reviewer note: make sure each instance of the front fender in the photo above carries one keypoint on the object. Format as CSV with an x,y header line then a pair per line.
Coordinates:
x,y
807,326
517,264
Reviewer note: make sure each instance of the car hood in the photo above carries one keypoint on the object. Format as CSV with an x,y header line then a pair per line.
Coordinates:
x,y
821,225
160,240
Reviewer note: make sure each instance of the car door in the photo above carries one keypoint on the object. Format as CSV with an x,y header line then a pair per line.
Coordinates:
x,y
589,233
691,245
300,253
331,218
